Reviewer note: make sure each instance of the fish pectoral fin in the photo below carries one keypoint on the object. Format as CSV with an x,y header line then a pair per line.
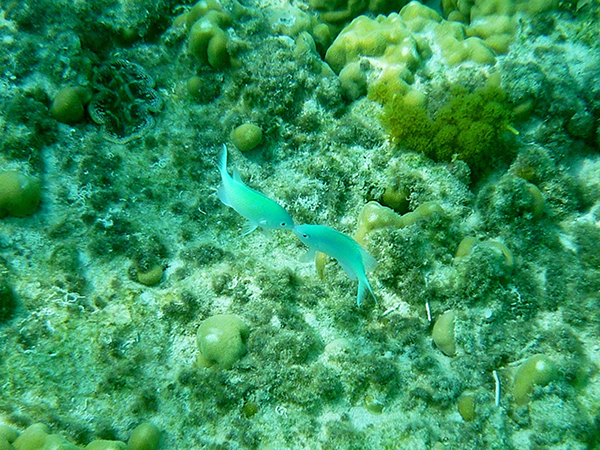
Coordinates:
x,y
266,232
248,227
308,257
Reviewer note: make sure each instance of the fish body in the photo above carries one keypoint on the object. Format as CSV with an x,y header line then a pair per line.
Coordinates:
x,y
354,259
258,209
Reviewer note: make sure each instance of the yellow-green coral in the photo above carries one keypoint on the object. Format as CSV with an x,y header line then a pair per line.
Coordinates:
x,y
336,11
374,217
246,136
385,44
443,333
495,21
467,406
389,50
207,21
146,436
468,244
222,340
292,21
68,104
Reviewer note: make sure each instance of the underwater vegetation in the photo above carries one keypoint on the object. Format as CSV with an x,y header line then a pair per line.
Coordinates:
x,y
458,146
470,126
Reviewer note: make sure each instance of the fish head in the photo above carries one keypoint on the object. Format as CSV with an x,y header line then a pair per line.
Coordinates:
x,y
280,221
305,234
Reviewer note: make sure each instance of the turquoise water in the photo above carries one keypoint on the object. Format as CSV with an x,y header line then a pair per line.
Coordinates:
x,y
487,207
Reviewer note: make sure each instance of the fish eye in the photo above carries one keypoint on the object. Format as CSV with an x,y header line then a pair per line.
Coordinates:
x,y
305,235
283,224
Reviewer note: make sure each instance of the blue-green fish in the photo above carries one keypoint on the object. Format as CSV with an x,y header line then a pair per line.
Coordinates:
x,y
354,259
258,209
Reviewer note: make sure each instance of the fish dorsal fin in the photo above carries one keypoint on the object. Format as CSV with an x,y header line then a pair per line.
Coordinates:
x,y
222,194
309,256
236,176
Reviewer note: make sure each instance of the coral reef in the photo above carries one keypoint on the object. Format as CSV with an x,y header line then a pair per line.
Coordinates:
x,y
459,146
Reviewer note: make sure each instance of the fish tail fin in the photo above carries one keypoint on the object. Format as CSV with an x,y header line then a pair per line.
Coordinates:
x,y
363,288
223,162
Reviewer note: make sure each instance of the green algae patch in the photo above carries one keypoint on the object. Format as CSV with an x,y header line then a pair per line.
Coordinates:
x,y
470,126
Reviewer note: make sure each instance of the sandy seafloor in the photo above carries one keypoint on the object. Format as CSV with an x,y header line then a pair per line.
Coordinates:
x,y
91,352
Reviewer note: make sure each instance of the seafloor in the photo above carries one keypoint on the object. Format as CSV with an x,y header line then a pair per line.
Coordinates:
x,y
89,350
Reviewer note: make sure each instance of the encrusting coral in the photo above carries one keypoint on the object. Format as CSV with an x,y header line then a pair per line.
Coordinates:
x,y
124,101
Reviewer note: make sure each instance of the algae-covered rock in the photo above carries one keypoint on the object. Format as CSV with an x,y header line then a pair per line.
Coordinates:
x,y
8,300
145,436
222,340
537,370
246,136
20,194
443,333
